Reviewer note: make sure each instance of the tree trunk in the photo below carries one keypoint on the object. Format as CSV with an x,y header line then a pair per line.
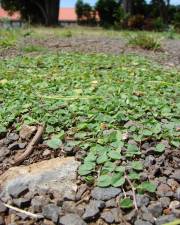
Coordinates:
x,y
52,11
127,6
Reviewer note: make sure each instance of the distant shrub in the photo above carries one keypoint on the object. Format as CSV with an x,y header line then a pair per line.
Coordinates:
x,y
32,48
67,34
176,21
136,22
158,24
145,41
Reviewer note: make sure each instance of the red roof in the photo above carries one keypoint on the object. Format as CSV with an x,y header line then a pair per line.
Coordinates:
x,y
67,14
4,14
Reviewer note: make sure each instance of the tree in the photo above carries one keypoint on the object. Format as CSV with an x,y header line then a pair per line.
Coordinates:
x,y
160,9
41,11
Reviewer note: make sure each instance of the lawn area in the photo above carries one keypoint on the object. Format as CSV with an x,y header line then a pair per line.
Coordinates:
x,y
113,110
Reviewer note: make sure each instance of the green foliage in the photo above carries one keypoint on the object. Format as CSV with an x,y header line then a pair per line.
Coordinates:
x,y
160,148
33,48
126,203
145,41
146,186
54,143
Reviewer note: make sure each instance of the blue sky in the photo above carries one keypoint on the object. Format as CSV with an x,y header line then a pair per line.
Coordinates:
x,y
71,3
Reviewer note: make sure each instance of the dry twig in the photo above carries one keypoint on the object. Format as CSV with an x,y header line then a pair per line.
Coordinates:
x,y
30,146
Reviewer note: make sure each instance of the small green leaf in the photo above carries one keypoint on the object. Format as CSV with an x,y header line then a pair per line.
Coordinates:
x,y
134,176
117,180
114,155
104,181
102,159
54,143
86,168
91,157
137,165
147,186
126,203
160,148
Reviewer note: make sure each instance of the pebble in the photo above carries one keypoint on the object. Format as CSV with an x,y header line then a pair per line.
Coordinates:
x,y
37,203
164,219
71,219
1,221
116,214
142,200
27,131
22,202
13,146
92,209
165,201
22,145
3,208
68,150
149,161
111,203
142,222
155,209
177,194
71,207
82,188
176,175
51,212
12,137
131,215
17,190
105,193
164,190
47,152
148,217
107,216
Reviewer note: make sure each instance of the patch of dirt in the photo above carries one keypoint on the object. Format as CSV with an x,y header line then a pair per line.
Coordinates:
x,y
169,56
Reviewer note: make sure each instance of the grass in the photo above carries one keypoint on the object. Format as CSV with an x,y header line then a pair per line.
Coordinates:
x,y
86,96
33,48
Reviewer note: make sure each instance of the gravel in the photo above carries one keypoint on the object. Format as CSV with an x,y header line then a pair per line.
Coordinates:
x,y
105,193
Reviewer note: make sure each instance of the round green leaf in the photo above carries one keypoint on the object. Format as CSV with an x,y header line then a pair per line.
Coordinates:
x,y
147,186
54,143
104,181
137,165
114,155
160,148
117,180
102,159
126,203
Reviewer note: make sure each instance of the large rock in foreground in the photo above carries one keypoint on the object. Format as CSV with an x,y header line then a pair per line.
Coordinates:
x,y
56,175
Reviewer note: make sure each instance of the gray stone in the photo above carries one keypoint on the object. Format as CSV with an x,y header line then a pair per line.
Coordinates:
x,y
176,175
13,146
27,131
37,203
1,221
92,209
22,145
149,161
164,219
17,190
47,152
51,212
177,194
71,219
13,137
131,215
156,209
105,193
68,150
142,200
164,190
71,207
165,201
22,202
148,217
3,208
56,175
111,203
108,217
82,188
4,151
116,214
142,222
71,196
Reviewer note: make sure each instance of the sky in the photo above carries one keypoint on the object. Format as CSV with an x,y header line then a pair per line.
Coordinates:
x,y
71,3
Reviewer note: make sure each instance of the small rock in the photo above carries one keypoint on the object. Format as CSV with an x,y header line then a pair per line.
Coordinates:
x,y
4,151
22,202
1,221
92,209
174,205
22,145
27,131
71,196
173,184
71,219
142,222
37,203
142,200
143,176
13,146
116,214
18,190
51,212
71,207
177,194
105,193
156,209
165,201
164,190
12,137
149,161
107,216
111,203
131,215
176,175
148,217
80,155
3,208
164,219
47,152
82,188
68,150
